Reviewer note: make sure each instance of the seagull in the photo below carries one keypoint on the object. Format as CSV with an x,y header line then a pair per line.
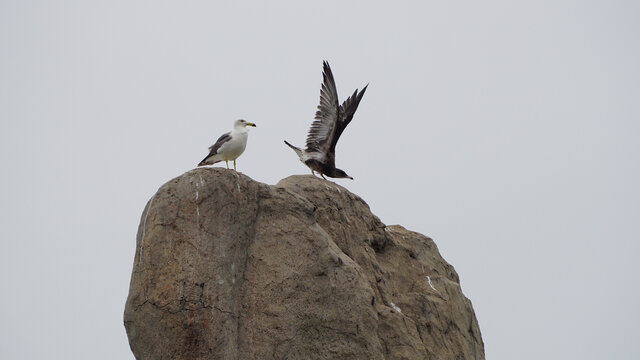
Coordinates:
x,y
330,121
230,145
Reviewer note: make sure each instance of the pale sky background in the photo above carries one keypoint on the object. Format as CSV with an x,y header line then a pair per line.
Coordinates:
x,y
506,131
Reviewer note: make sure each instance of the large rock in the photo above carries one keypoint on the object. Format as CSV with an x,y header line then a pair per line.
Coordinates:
x,y
229,268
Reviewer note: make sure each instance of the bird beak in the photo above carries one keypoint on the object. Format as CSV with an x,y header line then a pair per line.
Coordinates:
x,y
251,124
350,177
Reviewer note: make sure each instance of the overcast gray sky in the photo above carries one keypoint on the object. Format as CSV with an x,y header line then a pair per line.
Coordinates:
x,y
507,131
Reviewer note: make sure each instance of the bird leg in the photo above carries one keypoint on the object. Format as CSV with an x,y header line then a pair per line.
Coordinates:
x,y
321,174
234,165
227,161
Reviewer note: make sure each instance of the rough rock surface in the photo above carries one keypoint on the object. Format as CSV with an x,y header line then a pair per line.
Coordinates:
x,y
229,268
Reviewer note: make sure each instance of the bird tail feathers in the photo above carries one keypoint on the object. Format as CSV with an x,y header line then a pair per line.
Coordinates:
x,y
209,160
296,149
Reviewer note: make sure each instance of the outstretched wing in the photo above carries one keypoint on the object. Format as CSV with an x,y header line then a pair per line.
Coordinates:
x,y
323,127
346,111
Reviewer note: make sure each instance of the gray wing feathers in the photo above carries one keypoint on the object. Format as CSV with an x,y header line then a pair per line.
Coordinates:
x,y
349,106
347,109
213,149
323,127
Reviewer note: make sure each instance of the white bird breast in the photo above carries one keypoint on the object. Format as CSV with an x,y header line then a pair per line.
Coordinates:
x,y
233,148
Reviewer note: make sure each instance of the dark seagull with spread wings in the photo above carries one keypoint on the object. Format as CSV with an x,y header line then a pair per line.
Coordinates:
x,y
330,121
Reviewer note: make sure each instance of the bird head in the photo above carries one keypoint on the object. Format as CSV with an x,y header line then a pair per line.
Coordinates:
x,y
242,124
341,174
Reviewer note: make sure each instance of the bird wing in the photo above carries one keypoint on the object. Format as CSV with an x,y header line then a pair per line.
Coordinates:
x,y
213,149
323,127
347,109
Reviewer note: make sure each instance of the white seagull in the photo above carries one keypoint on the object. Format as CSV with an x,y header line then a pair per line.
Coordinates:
x,y
230,145
330,121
